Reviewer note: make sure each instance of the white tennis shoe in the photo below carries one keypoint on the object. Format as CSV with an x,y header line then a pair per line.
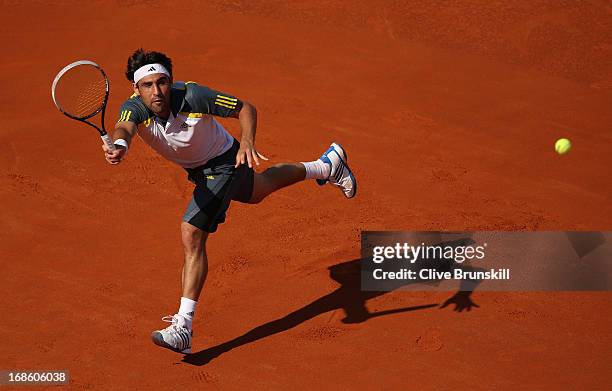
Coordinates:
x,y
340,174
175,337
340,152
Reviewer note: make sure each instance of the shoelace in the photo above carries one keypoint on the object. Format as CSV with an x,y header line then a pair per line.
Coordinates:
x,y
174,322
180,334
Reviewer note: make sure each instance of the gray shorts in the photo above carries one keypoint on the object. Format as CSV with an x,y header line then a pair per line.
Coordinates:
x,y
217,184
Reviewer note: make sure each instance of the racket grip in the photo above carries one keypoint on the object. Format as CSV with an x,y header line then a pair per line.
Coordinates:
x,y
108,142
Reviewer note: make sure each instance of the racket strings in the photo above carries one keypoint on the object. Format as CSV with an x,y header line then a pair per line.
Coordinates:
x,y
81,91
90,99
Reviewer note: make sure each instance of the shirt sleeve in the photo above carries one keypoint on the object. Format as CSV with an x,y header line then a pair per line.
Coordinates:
x,y
131,111
209,101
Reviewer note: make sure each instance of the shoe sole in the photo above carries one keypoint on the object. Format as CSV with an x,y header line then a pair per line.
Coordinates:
x,y
158,340
345,162
354,183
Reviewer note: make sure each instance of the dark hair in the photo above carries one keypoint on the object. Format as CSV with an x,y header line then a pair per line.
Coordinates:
x,y
141,57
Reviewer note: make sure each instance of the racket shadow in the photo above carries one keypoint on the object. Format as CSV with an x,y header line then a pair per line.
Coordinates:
x,y
347,297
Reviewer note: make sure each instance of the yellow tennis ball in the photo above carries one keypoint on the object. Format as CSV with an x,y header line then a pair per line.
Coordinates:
x,y
562,146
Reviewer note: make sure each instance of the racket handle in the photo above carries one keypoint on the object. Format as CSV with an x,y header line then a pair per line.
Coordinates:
x,y
109,143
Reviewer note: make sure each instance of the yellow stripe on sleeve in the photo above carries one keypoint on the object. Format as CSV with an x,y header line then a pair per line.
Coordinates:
x,y
227,98
225,102
224,105
125,115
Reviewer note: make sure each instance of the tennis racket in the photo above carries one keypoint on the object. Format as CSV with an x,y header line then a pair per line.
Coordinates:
x,y
80,91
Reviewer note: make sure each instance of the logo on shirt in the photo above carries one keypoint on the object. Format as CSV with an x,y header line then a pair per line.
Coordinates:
x,y
184,125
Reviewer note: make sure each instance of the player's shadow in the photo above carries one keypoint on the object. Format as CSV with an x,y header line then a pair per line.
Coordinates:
x,y
349,297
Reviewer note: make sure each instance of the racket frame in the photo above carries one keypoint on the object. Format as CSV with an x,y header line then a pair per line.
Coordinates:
x,y
103,133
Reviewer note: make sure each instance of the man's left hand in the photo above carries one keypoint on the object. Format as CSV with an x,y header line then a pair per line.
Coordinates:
x,y
248,154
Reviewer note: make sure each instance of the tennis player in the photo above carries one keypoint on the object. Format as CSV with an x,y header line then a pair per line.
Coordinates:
x,y
177,120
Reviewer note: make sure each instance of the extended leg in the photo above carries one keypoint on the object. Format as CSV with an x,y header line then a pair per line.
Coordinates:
x,y
275,178
331,167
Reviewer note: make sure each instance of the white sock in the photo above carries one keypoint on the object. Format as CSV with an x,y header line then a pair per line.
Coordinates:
x,y
317,169
187,310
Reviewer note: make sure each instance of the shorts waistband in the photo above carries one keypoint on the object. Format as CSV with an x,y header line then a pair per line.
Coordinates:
x,y
217,159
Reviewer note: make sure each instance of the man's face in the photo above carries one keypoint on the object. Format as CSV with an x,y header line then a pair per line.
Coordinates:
x,y
154,90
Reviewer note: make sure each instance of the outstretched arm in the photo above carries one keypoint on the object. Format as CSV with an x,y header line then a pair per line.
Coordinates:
x,y
248,125
124,130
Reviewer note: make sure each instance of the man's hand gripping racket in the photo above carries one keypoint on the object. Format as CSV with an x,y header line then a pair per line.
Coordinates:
x,y
80,91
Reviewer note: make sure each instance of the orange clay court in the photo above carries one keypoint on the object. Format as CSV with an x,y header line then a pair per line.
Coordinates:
x,y
449,111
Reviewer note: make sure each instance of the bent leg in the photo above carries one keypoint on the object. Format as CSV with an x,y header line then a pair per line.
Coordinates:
x,y
195,268
275,178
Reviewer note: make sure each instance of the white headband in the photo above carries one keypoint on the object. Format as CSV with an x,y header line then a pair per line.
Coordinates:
x,y
149,69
